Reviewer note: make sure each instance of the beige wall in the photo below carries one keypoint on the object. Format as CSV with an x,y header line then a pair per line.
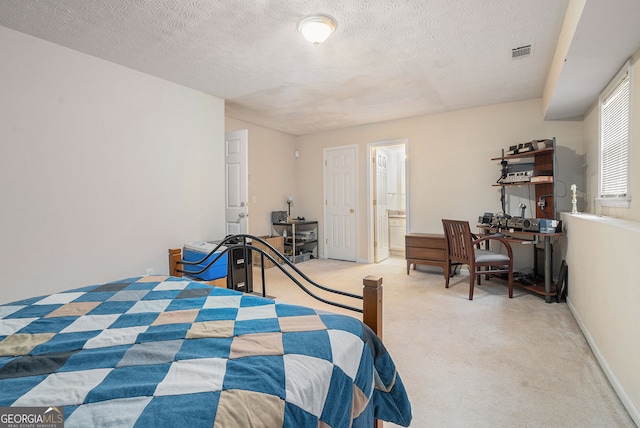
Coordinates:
x,y
449,162
102,169
271,174
602,255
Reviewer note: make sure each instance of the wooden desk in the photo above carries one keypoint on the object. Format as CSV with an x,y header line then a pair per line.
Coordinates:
x,y
425,249
522,237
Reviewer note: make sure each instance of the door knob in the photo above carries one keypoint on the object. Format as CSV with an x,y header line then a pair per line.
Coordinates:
x,y
352,210
242,215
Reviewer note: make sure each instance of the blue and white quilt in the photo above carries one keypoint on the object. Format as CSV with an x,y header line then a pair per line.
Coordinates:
x,y
164,351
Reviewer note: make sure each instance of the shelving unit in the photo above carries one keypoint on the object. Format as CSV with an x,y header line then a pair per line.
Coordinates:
x,y
300,239
543,165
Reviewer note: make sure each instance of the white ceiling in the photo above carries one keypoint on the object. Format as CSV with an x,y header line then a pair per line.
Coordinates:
x,y
388,59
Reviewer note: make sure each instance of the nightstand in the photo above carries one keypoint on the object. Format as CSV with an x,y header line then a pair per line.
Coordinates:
x,y
425,249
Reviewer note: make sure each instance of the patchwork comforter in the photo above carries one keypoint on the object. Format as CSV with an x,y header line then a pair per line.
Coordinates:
x,y
165,351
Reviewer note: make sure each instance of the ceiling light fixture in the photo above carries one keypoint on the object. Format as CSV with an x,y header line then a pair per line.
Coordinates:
x,y
317,28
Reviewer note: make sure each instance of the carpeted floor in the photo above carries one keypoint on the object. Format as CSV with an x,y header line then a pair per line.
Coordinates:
x,y
490,362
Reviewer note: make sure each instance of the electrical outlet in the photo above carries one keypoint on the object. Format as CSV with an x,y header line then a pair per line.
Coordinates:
x,y
149,271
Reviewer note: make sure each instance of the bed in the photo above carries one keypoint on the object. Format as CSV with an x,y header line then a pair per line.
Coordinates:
x,y
174,351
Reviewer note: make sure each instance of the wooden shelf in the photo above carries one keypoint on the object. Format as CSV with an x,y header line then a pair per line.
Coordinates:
x,y
527,154
295,245
537,288
523,183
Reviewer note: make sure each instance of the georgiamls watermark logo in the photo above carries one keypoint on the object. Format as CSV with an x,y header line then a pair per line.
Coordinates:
x,y
31,417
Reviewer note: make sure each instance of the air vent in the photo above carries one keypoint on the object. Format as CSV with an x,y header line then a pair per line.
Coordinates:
x,y
521,52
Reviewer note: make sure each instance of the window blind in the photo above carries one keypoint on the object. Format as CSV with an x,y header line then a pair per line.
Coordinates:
x,y
615,141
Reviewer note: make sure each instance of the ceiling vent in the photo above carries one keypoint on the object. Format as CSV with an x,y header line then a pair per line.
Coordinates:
x,y
521,52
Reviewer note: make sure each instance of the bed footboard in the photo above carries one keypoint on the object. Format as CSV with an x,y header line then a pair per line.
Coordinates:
x,y
175,257
372,303
371,293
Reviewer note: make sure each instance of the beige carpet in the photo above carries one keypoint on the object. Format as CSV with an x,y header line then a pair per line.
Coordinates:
x,y
490,362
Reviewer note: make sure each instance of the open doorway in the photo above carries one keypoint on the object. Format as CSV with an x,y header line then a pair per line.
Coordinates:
x,y
387,198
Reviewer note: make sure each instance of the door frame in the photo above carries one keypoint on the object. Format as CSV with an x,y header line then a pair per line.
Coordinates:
x,y
325,248
370,195
380,209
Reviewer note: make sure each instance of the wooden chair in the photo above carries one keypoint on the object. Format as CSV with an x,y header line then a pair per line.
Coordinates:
x,y
463,247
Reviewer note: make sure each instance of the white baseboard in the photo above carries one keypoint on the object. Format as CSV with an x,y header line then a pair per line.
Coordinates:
x,y
633,410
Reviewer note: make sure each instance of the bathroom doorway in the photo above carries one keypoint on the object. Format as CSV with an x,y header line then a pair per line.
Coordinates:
x,y
387,199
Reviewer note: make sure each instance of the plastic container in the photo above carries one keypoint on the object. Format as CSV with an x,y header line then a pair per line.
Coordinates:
x,y
196,251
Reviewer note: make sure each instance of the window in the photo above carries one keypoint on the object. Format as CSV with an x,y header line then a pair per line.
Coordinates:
x,y
615,106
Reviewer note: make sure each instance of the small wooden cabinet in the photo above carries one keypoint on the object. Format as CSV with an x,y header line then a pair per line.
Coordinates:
x,y
425,249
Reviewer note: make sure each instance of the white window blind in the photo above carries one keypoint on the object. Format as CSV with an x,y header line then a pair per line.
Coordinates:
x,y
614,141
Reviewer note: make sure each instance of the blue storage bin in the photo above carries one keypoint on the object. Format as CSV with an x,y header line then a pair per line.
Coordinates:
x,y
196,251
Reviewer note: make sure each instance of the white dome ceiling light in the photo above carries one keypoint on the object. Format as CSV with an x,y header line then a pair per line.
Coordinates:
x,y
317,28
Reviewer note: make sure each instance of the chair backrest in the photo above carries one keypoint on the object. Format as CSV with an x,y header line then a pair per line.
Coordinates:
x,y
457,235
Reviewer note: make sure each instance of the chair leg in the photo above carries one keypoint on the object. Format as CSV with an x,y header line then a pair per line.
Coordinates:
x,y
447,272
510,283
472,280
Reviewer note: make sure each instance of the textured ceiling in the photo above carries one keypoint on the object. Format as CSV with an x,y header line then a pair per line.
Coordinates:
x,y
388,59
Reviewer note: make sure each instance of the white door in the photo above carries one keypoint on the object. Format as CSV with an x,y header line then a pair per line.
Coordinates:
x,y
236,175
340,203
381,232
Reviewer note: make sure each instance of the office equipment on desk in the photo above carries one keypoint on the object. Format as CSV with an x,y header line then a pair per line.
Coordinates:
x,y
549,226
516,224
529,224
278,216
517,173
